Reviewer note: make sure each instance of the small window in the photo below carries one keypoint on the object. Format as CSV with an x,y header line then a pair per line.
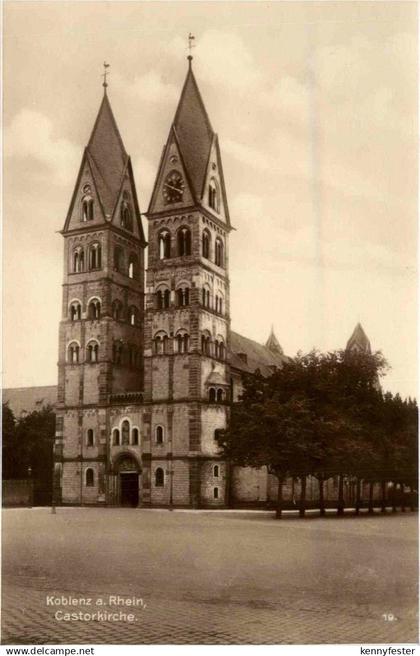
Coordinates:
x,y
219,395
90,478
116,437
159,477
126,218
117,310
93,352
135,436
118,259
183,297
133,266
95,257
216,471
133,315
184,241
215,493
163,299
159,434
125,433
75,311
90,437
78,260
205,244
94,309
212,395
73,353
183,343
213,197
219,257
161,344
87,205
164,245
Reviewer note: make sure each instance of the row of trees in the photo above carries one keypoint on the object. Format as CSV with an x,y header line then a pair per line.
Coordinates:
x,y
27,447
325,415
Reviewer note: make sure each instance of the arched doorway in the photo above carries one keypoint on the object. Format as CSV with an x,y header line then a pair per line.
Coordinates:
x,y
129,477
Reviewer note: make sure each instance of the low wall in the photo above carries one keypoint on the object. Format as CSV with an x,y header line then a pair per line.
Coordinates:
x,y
17,492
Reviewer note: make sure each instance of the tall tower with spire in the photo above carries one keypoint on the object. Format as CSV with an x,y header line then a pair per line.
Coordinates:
x,y
101,329
359,341
187,308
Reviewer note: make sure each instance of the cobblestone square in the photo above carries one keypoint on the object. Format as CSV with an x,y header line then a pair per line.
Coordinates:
x,y
207,577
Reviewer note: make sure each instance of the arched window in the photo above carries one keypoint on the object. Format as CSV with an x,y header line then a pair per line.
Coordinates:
x,y
73,353
184,241
212,395
222,351
161,343
90,477
125,433
117,310
206,344
205,244
87,205
164,244
159,434
95,256
118,259
182,342
75,311
90,437
219,395
216,471
116,437
205,297
159,477
163,299
219,349
216,493
213,195
94,309
183,296
117,352
92,352
132,315
133,266
78,260
135,436
218,303
125,217
218,253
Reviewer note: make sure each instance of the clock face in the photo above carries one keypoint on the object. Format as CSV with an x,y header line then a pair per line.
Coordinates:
x,y
173,187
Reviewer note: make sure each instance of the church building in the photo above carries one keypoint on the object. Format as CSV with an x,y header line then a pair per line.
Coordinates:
x,y
148,365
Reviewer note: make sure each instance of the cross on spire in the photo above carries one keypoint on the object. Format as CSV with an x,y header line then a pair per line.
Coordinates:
x,y
191,45
104,75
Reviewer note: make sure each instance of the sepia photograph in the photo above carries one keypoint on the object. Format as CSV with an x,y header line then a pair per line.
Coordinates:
x,y
209,394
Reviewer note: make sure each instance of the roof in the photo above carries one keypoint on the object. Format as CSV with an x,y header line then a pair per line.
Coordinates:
x,y
359,340
27,399
195,134
254,355
273,344
107,157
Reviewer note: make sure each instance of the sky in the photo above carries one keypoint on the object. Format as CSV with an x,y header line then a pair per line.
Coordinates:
x,y
315,105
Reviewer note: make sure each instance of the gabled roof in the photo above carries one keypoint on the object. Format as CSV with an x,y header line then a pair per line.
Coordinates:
x,y
194,132
247,355
27,399
359,340
107,156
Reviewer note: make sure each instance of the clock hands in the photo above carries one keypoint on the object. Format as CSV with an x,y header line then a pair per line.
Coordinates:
x,y
180,191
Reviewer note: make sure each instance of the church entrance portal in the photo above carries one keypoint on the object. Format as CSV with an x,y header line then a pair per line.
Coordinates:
x,y
129,486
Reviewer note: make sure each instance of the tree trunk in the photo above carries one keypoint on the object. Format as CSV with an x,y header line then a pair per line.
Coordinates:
x,y
394,497
279,499
340,504
402,497
371,498
302,501
383,497
321,496
357,504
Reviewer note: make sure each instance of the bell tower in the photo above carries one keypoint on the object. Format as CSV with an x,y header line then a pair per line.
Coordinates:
x,y
187,308
101,329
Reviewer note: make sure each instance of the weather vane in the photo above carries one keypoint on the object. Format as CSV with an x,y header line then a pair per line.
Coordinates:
x,y
104,75
191,45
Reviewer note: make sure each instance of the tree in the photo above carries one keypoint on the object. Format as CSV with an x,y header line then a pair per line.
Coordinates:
x,y
312,417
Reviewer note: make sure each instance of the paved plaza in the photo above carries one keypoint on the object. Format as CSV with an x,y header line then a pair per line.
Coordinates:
x,y
207,578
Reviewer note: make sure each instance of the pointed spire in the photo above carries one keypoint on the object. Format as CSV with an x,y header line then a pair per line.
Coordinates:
x,y
107,156
273,344
194,131
359,341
